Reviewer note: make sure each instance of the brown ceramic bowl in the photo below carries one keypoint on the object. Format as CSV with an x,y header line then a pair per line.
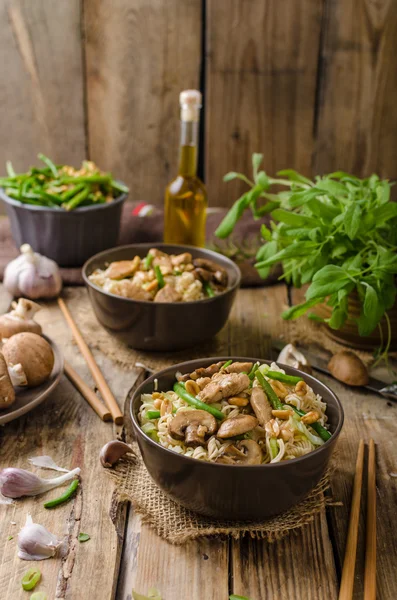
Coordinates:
x,y
161,325
252,492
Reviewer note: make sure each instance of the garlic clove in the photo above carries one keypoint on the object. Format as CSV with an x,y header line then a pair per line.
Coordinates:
x,y
112,452
35,542
15,483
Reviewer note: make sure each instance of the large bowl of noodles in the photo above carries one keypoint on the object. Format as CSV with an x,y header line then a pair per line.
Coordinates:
x,y
207,478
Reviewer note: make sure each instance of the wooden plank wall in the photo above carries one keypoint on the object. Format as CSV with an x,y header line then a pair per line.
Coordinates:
x,y
310,83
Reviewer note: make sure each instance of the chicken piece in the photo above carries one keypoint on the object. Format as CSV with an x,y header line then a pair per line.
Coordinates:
x,y
162,260
261,406
127,289
123,268
224,386
202,382
239,367
167,294
203,372
181,259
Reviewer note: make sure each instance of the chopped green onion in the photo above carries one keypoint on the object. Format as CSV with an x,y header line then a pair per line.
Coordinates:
x,y
208,289
269,391
159,277
277,376
227,364
148,261
83,537
273,447
179,389
31,578
65,497
318,428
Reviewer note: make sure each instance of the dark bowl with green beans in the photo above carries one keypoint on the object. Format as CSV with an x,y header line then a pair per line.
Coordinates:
x,y
160,326
63,213
250,492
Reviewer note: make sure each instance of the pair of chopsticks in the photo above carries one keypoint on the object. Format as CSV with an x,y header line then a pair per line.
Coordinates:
x,y
347,583
112,409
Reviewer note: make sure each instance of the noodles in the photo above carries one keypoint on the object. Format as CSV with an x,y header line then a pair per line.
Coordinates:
x,y
286,436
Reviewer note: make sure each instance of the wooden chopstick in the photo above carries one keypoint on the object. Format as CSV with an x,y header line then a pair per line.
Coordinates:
x,y
99,379
349,563
370,549
87,393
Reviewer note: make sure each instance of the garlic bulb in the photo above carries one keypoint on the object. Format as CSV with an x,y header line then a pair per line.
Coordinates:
x,y
35,542
15,483
32,275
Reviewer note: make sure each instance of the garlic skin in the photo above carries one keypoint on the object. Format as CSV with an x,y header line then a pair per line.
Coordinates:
x,y
15,483
32,275
35,542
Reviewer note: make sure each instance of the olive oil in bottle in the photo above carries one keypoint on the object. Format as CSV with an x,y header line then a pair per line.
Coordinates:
x,y
186,197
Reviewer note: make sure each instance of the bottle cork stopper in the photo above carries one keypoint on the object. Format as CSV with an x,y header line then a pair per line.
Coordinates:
x,y
190,101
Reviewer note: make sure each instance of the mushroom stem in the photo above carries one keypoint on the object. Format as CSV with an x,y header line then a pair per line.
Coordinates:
x,y
17,375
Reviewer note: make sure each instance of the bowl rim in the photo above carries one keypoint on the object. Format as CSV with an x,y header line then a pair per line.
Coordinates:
x,y
82,209
282,464
211,254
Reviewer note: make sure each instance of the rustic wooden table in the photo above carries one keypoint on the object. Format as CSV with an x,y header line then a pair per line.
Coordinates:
x,y
123,554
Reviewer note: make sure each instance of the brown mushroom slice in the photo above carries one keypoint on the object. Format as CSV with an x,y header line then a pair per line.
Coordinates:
x,y
192,426
247,452
219,273
261,405
168,294
121,269
7,393
236,426
33,354
181,259
224,386
349,368
239,367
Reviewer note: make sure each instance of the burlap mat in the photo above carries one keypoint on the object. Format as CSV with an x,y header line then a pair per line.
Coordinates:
x,y
178,526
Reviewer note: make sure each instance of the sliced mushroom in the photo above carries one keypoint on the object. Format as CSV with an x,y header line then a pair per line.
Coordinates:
x,y
121,269
261,405
33,353
193,426
291,356
219,274
20,319
7,393
349,368
247,452
224,386
236,426
168,294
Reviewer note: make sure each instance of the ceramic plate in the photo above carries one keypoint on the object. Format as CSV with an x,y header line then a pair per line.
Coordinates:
x,y
28,398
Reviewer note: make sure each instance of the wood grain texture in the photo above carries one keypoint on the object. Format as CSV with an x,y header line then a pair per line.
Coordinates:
x,y
261,83
69,431
139,56
356,120
41,84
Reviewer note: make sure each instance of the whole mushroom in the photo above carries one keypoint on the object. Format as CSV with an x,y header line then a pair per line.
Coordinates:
x,y
192,426
29,358
348,368
19,319
7,393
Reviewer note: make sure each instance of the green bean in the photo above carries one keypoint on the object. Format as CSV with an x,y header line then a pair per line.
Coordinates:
x,y
65,497
159,277
208,289
10,169
116,185
31,578
49,164
179,389
148,261
78,199
323,433
269,391
254,369
277,376
227,364
235,597
86,179
153,414
68,194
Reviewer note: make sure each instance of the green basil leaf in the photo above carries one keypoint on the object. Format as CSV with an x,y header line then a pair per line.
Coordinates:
x,y
291,218
330,272
384,213
294,176
383,192
300,198
294,251
319,289
332,187
321,209
265,252
338,250
256,163
265,209
338,317
235,213
233,175
262,180
371,302
297,311
266,233
352,217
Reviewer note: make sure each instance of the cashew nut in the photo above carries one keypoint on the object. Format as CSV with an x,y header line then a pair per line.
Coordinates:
x,y
282,414
310,417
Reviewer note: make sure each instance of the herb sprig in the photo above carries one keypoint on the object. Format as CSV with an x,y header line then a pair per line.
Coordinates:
x,y
338,233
